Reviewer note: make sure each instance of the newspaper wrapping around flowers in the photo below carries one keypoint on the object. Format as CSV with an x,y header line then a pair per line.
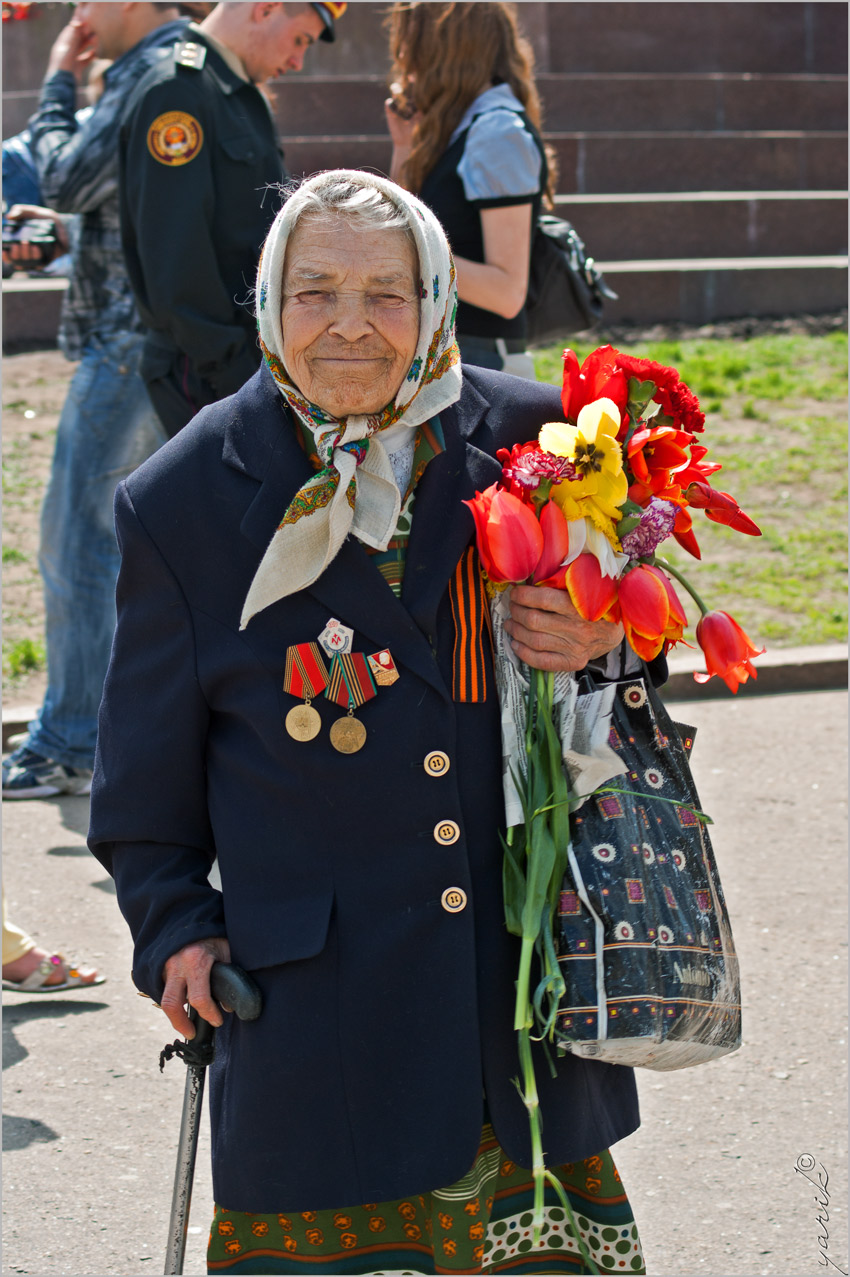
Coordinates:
x,y
583,723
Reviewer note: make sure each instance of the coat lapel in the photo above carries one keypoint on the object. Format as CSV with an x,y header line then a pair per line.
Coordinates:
x,y
261,442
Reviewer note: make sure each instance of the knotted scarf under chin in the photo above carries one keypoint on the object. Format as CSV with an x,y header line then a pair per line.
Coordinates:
x,y
355,490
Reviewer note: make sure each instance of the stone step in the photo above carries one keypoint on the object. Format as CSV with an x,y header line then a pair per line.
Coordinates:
x,y
703,291
692,291
606,101
31,309
622,162
596,102
709,223
591,102
662,38
697,161
670,38
779,669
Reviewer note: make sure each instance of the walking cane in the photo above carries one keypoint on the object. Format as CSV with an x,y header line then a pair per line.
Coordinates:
x,y
231,986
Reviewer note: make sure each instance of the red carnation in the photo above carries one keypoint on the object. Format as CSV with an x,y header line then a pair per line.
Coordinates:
x,y
677,401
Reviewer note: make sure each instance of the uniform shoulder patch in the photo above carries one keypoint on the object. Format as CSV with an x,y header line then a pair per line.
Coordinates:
x,y
190,54
175,138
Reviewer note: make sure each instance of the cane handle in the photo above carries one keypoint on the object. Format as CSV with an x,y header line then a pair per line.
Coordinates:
x,y
235,989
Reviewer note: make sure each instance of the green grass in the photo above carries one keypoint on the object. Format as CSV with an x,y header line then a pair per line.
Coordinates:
x,y
776,418
23,657
11,555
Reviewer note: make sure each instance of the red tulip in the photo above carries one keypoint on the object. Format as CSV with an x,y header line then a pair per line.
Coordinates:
x,y
727,650
644,605
677,620
593,595
598,378
509,538
721,507
556,541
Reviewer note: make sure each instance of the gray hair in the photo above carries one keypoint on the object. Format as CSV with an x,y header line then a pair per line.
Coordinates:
x,y
362,206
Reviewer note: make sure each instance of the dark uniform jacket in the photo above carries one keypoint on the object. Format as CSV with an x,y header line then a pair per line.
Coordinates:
x,y
386,1016
198,151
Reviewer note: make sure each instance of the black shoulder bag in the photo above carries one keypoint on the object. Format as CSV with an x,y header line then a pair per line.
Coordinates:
x,y
565,287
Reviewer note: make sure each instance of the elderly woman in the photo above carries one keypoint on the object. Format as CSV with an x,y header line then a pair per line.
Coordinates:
x,y
302,686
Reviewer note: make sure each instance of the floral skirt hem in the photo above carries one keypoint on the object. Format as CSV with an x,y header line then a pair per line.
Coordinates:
x,y
482,1224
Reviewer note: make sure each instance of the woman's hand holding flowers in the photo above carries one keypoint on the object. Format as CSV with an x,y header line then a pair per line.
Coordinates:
x,y
548,633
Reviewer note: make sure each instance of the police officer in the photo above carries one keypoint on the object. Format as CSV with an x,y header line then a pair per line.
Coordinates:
x,y
199,149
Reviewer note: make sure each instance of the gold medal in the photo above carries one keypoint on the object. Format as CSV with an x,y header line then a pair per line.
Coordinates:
x,y
303,722
304,675
348,734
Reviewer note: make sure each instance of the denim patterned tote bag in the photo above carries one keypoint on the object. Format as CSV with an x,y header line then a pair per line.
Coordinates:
x,y
644,940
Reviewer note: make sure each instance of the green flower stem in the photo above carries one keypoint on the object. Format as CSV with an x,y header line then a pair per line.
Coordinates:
x,y
656,798
590,1266
540,1174
522,1012
532,1103
546,826
683,580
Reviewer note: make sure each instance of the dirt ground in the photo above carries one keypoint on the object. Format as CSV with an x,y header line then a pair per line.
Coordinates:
x,y
715,1173
33,391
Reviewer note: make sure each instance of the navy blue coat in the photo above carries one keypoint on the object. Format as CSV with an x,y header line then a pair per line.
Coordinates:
x,y
386,1018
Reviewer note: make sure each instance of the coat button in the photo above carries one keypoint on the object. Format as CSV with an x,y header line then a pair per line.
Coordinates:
x,y
453,899
436,763
446,832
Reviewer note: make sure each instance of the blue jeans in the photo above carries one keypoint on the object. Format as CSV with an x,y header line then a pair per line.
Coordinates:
x,y
107,428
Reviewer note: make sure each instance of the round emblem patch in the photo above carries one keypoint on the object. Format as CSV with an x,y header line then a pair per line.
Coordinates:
x,y
175,138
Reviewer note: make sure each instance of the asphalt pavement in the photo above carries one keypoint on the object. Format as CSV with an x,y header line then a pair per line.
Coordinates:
x,y
720,1174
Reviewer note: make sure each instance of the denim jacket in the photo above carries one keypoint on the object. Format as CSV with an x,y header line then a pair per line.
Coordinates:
x,y
78,171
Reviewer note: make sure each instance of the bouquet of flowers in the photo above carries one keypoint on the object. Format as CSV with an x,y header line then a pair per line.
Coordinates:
x,y
585,508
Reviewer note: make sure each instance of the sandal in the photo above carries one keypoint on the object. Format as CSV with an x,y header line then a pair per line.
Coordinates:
x,y
36,981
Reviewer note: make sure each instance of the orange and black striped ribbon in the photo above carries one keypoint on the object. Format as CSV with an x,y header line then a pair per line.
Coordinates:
x,y
471,615
305,673
351,682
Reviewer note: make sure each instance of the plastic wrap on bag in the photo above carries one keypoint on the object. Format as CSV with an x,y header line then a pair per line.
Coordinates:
x,y
644,941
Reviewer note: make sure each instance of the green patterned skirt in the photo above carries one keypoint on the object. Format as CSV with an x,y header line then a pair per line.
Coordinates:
x,y
482,1224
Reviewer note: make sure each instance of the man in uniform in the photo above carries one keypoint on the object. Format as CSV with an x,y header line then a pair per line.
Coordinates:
x,y
199,149
107,426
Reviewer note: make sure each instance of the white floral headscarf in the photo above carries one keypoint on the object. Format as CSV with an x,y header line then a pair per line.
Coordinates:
x,y
355,490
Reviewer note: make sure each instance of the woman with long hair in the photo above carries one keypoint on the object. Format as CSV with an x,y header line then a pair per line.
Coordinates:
x,y
464,117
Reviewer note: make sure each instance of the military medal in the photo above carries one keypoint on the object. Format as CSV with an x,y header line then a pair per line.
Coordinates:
x,y
305,674
350,684
383,668
348,734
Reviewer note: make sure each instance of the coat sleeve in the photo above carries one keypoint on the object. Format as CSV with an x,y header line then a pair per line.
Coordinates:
x,y
150,825
77,161
167,229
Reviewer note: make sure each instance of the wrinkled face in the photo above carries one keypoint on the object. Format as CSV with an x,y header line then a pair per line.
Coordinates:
x,y
350,314
277,38
106,23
